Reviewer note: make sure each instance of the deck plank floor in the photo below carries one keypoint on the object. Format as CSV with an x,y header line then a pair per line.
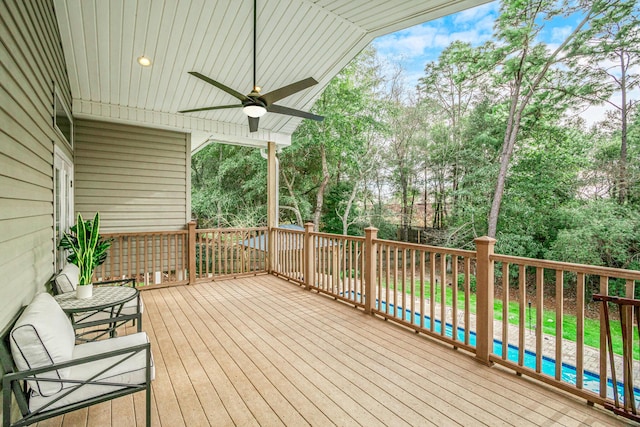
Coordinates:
x,y
262,351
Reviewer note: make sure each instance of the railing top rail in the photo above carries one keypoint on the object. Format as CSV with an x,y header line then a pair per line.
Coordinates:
x,y
288,230
229,230
428,248
145,233
338,236
567,266
617,300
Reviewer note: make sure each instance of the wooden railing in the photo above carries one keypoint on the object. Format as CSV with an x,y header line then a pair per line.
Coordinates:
x,y
289,261
426,288
523,282
327,263
149,257
169,257
229,252
496,307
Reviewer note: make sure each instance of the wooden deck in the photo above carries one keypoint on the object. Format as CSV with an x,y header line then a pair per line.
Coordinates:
x,y
262,351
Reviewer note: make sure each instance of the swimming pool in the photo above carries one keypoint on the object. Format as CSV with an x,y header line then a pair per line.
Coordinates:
x,y
591,380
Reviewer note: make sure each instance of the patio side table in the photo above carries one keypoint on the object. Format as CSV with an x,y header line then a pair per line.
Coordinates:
x,y
103,308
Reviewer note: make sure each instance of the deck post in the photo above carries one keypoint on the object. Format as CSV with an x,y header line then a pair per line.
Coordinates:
x,y
484,298
308,255
370,250
272,203
192,252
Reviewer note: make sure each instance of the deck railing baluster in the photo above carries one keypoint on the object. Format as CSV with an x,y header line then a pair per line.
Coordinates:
x,y
505,309
432,291
580,331
559,321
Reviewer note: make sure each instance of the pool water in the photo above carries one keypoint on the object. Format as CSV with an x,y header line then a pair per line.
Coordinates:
x,y
591,380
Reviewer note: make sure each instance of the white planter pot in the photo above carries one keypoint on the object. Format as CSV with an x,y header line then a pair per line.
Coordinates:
x,y
84,291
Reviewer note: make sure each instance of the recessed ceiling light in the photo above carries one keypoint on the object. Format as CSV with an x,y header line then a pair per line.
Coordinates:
x,y
144,61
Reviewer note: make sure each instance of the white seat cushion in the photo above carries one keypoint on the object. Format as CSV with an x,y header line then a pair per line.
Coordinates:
x,y
130,371
67,279
42,336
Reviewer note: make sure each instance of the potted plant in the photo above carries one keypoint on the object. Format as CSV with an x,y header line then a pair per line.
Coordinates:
x,y
88,250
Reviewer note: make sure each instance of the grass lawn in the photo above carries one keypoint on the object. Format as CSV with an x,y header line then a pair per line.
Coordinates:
x,y
569,323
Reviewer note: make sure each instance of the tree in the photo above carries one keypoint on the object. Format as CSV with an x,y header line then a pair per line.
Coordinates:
x,y
331,149
525,65
613,50
451,87
228,186
405,121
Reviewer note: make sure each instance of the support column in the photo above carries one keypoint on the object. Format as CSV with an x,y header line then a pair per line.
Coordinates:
x,y
272,214
191,226
484,298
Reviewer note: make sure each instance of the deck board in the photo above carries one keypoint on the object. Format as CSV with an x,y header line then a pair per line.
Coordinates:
x,y
262,351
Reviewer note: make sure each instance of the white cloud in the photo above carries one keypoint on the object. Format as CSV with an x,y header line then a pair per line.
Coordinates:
x,y
472,15
413,47
597,113
411,42
473,36
559,34
418,40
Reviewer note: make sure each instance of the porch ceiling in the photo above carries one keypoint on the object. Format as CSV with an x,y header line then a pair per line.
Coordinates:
x,y
296,39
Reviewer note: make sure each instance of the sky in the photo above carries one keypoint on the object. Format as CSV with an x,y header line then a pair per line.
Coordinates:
x,y
414,47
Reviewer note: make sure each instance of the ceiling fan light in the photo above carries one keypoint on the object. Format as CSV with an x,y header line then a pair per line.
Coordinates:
x,y
254,110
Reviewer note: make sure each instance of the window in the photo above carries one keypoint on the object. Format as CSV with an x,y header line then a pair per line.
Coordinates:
x,y
63,200
62,119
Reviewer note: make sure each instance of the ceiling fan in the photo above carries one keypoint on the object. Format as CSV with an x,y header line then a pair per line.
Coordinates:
x,y
255,105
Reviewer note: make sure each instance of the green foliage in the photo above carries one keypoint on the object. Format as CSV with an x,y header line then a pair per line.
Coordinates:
x,y
334,202
472,283
599,233
333,157
228,186
88,248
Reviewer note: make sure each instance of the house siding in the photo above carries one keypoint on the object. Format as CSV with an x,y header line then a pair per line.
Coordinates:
x,y
136,177
32,64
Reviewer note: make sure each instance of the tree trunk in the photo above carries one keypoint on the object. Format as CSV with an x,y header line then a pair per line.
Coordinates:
x,y
347,210
404,221
513,125
323,185
622,188
296,207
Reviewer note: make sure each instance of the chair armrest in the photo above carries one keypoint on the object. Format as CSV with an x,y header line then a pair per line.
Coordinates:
x,y
31,373
118,282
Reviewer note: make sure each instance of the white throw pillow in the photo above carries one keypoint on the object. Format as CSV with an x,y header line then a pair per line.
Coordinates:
x,y
42,336
67,279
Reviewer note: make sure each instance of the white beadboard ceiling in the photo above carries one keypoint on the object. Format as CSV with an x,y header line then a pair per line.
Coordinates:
x,y
296,39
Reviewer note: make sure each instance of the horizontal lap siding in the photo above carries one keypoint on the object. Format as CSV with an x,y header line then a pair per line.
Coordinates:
x,y
32,61
136,177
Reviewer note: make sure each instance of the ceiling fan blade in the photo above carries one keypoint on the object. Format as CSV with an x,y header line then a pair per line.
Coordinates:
x,y
227,89
220,107
253,124
291,112
283,92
